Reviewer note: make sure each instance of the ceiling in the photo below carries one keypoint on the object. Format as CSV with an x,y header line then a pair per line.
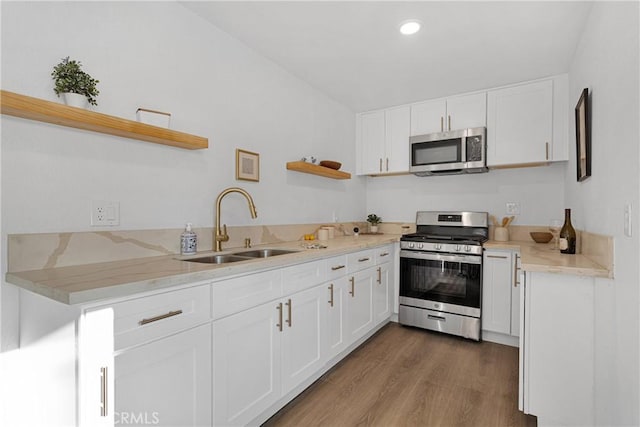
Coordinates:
x,y
354,53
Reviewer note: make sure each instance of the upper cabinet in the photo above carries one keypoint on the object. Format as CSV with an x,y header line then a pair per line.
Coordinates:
x,y
458,112
527,123
383,141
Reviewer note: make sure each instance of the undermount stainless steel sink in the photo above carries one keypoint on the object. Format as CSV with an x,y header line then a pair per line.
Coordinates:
x,y
217,259
239,256
264,253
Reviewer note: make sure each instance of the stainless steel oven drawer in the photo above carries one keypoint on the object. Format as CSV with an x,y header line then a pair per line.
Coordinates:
x,y
464,326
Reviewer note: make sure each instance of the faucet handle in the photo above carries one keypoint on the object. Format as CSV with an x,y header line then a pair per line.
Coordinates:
x,y
223,236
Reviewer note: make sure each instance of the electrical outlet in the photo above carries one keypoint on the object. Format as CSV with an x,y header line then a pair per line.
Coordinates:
x,y
105,213
513,208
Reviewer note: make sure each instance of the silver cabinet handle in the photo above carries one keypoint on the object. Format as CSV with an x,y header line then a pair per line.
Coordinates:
x,y
441,124
331,295
288,304
496,256
160,317
363,259
384,254
380,275
438,318
387,164
337,267
547,150
380,164
352,292
515,273
104,391
449,122
279,324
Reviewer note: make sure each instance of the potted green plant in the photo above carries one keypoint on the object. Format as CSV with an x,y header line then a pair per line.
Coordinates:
x,y
374,220
76,86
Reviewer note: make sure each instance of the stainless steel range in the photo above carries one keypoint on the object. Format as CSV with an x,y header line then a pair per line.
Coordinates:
x,y
441,272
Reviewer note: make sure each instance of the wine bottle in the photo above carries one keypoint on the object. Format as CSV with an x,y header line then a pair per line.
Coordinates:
x,y
567,235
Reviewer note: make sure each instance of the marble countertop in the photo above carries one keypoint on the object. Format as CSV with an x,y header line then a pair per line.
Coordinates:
x,y
90,283
544,258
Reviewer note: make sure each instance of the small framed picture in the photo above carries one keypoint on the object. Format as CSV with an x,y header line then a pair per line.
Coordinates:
x,y
583,137
247,165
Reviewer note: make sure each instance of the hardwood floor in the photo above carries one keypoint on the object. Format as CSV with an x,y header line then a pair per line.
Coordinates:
x,y
411,377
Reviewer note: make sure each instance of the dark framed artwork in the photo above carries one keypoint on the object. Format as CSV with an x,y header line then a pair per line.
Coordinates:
x,y
583,137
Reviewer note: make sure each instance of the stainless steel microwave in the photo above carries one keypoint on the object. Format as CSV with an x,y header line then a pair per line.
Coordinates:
x,y
448,153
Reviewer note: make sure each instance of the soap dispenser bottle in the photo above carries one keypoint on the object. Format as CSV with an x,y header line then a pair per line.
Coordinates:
x,y
188,241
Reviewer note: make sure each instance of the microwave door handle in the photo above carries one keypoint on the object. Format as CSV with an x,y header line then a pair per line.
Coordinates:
x,y
463,149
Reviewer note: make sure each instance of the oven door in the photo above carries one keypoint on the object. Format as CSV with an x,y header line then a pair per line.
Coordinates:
x,y
443,282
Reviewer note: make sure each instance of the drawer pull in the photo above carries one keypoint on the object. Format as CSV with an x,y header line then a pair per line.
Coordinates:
x,y
438,318
384,254
104,392
288,304
337,267
363,259
496,256
380,275
162,316
352,292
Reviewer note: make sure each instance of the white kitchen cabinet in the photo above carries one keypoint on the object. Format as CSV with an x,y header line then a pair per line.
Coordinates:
x,y
246,364
520,124
496,291
557,353
337,316
444,114
360,303
304,336
383,141
166,382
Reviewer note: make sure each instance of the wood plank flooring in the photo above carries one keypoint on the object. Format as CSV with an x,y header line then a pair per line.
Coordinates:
x,y
411,377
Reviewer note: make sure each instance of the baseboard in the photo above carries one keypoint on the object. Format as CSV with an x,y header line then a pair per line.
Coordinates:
x,y
498,338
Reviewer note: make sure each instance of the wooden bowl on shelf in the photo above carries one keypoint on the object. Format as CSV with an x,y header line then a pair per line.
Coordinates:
x,y
331,164
541,236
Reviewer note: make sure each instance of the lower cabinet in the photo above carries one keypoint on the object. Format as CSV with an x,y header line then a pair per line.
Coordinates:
x,y
263,353
382,296
337,316
360,304
166,382
500,293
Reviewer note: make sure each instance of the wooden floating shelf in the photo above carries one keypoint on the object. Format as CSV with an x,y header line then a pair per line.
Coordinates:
x,y
27,107
305,167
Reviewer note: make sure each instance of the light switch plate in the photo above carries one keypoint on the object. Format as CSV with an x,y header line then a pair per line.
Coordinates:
x,y
105,213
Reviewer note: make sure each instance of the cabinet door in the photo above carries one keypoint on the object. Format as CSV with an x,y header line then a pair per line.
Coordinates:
x,y
246,364
382,293
469,111
428,116
520,124
360,304
373,136
496,291
337,317
303,338
166,382
397,123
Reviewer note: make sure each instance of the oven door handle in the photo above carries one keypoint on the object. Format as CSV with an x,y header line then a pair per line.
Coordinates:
x,y
467,259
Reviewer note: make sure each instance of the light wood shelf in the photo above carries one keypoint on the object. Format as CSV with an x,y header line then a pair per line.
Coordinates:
x,y
305,167
27,107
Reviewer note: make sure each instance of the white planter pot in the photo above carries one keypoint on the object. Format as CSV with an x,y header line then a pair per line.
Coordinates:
x,y
374,228
75,100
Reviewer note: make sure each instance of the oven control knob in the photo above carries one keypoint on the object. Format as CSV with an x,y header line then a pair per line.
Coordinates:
x,y
458,248
437,246
420,245
411,245
467,248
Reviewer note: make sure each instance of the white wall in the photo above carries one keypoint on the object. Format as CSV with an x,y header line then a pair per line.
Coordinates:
x,y
606,62
161,56
539,191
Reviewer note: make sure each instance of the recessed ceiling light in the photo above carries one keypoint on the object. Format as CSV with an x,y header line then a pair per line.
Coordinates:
x,y
410,27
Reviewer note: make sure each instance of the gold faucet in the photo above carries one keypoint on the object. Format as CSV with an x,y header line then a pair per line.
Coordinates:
x,y
223,236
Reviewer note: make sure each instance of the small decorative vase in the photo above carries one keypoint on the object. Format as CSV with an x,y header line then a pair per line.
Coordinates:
x,y
374,228
75,100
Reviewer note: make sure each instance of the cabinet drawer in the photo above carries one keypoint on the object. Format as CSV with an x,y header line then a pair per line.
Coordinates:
x,y
383,254
148,318
234,295
303,276
360,260
336,267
